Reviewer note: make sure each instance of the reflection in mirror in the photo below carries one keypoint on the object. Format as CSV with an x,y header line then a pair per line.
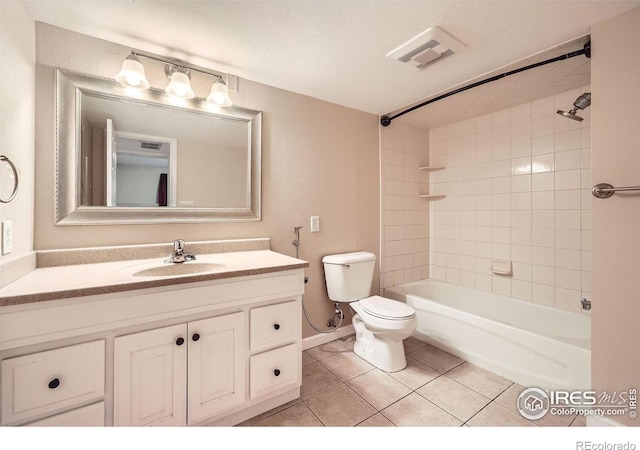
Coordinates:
x,y
146,159
147,156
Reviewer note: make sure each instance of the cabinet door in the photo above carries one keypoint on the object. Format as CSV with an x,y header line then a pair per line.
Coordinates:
x,y
216,365
151,377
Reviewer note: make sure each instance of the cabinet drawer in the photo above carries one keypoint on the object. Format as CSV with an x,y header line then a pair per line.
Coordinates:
x,y
87,416
274,369
42,382
274,325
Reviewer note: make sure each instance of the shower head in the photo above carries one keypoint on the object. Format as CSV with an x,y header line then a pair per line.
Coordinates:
x,y
582,102
570,114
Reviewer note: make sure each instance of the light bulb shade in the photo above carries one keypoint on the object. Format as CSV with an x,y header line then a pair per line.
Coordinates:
x,y
219,95
132,74
179,85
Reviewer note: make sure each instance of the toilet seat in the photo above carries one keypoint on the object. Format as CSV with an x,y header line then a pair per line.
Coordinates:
x,y
385,308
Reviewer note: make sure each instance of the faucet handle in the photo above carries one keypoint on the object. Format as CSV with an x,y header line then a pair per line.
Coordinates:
x,y
178,246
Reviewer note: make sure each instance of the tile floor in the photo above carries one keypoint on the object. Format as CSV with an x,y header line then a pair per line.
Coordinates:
x,y
435,389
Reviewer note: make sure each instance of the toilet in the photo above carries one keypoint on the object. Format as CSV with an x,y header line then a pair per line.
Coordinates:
x,y
381,324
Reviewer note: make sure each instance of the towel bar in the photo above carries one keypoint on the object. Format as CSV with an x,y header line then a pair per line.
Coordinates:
x,y
15,179
605,190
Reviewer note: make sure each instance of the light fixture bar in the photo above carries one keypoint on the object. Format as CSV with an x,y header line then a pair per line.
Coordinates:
x,y
178,64
132,75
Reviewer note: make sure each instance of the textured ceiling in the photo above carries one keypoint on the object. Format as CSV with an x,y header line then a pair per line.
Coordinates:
x,y
512,90
335,50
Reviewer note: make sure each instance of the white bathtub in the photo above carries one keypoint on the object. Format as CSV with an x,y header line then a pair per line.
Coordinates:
x,y
533,345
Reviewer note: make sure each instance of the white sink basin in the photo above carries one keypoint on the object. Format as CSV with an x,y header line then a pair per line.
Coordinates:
x,y
161,268
172,269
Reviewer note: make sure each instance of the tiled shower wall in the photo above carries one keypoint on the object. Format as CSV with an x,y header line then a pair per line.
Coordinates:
x,y
405,216
517,188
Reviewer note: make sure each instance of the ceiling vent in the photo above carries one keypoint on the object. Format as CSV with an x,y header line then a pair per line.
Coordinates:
x,y
428,47
150,145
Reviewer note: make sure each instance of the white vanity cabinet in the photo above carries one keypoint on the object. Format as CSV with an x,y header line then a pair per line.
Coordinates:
x,y
214,352
47,381
157,373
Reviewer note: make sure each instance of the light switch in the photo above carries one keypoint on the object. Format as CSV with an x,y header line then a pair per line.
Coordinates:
x,y
7,237
315,224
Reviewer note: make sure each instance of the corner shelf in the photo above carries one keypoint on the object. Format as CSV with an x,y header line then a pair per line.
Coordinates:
x,y
432,197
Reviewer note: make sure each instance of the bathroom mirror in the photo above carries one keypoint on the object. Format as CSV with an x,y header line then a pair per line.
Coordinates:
x,y
128,156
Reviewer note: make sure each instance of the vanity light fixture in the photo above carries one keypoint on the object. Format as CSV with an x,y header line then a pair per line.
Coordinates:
x,y
219,94
179,84
132,75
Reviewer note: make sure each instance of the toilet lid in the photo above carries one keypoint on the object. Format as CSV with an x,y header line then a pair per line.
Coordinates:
x,y
386,308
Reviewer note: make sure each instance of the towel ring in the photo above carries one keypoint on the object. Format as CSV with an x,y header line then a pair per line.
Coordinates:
x,y
15,174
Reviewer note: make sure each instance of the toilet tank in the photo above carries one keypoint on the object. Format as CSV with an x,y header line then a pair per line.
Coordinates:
x,y
349,275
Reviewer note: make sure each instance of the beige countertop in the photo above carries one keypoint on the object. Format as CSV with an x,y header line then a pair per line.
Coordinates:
x,y
53,283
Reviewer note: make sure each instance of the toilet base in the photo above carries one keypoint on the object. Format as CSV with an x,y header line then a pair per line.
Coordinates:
x,y
383,350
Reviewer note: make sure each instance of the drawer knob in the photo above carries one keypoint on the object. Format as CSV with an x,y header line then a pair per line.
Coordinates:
x,y
276,372
54,383
276,326
179,341
195,337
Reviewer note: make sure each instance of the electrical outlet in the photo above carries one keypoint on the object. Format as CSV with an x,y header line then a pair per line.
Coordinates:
x,y
315,224
7,237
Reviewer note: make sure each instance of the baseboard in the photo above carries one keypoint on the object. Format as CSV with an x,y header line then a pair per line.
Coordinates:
x,y
599,421
323,338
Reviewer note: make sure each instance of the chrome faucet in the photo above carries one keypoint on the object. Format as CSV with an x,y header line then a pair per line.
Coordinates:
x,y
178,255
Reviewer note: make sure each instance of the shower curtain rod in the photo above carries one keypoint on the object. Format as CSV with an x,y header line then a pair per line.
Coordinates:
x,y
385,121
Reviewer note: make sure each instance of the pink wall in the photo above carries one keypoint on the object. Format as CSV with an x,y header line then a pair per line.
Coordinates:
x,y
17,109
616,221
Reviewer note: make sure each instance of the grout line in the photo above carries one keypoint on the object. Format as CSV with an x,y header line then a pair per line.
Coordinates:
x,y
393,403
440,407
324,390
503,391
361,397
469,387
383,415
573,420
314,414
479,411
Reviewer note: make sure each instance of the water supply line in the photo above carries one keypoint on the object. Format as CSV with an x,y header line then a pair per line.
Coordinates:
x,y
337,312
